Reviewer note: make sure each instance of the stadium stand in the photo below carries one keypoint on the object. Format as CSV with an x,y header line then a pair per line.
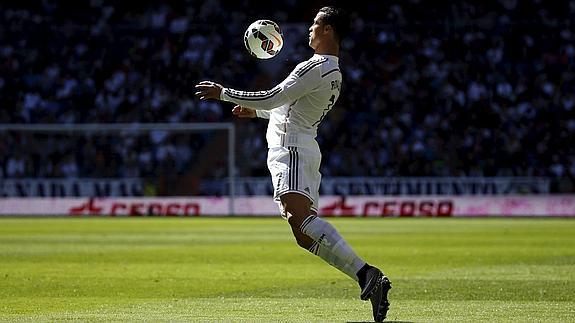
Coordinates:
x,y
431,89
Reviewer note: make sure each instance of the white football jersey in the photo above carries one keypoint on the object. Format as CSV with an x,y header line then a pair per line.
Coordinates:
x,y
297,105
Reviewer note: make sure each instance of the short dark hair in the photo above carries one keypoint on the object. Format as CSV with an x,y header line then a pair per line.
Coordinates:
x,y
337,19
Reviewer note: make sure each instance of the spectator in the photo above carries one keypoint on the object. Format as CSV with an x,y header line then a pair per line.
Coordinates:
x,y
433,89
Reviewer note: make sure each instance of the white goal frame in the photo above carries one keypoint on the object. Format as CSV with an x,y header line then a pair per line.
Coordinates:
x,y
141,128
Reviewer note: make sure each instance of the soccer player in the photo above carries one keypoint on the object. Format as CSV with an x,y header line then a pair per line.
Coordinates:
x,y
295,108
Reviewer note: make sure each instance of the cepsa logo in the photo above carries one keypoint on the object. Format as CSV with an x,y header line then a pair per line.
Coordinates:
x,y
143,208
390,207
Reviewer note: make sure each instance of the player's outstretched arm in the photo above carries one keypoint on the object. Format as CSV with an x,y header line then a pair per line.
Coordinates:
x,y
243,112
208,90
292,88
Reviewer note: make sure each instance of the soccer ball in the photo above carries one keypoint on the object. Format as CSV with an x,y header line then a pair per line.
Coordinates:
x,y
263,39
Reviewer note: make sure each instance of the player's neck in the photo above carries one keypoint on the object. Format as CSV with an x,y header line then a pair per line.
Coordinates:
x,y
331,49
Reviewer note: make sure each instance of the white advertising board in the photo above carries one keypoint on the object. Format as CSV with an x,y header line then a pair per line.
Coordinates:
x,y
361,206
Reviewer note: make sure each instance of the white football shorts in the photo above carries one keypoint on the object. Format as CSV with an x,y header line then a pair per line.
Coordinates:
x,y
295,169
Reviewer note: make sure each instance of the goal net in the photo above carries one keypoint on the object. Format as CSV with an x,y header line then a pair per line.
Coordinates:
x,y
118,160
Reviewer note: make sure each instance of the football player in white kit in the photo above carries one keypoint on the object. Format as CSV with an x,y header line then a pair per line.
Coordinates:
x,y
295,108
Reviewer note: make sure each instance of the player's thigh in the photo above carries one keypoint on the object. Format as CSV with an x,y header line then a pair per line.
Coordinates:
x,y
314,180
295,170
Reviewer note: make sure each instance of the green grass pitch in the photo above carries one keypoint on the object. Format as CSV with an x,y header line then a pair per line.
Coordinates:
x,y
246,270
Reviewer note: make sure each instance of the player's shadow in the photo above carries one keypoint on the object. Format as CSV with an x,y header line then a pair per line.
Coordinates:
x,y
385,321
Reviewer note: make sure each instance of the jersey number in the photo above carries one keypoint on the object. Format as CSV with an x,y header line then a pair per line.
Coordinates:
x,y
326,110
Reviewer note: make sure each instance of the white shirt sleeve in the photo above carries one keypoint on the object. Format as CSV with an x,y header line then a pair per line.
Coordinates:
x,y
297,84
264,114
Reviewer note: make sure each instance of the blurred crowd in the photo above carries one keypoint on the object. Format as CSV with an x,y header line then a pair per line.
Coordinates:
x,y
430,89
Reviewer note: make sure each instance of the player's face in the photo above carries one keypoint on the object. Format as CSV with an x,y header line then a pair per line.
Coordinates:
x,y
316,30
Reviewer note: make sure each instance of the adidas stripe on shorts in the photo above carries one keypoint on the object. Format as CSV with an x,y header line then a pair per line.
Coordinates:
x,y
295,169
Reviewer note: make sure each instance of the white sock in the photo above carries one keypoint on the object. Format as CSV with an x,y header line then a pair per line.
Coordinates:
x,y
330,246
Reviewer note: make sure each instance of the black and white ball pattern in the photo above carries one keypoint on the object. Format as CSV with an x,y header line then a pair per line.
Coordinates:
x,y
263,39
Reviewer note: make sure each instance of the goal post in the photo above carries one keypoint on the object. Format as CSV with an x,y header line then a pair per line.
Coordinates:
x,y
138,129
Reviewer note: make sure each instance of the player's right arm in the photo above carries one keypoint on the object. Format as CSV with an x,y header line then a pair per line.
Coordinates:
x,y
302,80
212,90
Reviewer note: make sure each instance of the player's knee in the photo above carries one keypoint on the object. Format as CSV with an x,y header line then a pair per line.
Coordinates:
x,y
302,239
295,219
296,208
302,243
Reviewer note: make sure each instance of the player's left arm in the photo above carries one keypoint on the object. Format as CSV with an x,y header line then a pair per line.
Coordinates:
x,y
243,112
264,114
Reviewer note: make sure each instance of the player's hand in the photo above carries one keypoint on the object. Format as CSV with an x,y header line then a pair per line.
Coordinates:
x,y
243,112
208,90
